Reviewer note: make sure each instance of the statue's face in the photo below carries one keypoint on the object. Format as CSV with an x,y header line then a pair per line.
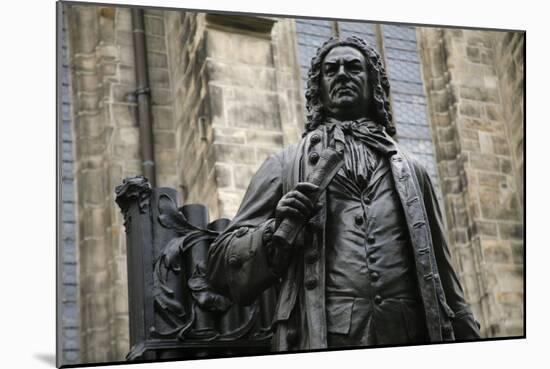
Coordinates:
x,y
344,83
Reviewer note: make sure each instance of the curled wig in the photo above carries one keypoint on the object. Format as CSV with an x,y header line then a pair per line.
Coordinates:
x,y
378,83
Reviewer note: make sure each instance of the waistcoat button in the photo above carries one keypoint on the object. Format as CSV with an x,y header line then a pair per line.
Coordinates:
x,y
234,262
313,158
315,139
311,283
312,256
370,239
377,299
291,336
358,219
374,276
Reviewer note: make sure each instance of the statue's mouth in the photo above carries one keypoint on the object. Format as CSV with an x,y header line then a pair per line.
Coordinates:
x,y
344,90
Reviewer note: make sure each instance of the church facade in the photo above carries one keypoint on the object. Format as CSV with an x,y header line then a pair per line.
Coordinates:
x,y
226,91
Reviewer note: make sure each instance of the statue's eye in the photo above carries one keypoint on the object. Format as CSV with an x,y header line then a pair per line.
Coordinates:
x,y
330,70
355,68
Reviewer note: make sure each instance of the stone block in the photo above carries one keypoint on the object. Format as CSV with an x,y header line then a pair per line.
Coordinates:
x,y
163,117
477,124
154,26
224,176
159,77
241,75
518,253
491,179
473,54
126,145
229,202
484,93
122,92
161,96
88,101
485,228
123,19
510,278
505,165
487,57
86,82
234,154
239,48
267,139
164,140
156,43
484,162
493,112
513,231
93,258
442,119
498,204
500,145
243,174
126,55
93,222
91,187
446,134
440,101
496,251
230,136
253,109
120,301
469,109
157,60
124,38
99,347
123,115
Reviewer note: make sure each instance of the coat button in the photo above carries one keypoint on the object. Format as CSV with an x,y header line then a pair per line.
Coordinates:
x,y
370,239
368,201
234,262
241,232
377,299
291,336
372,259
312,256
313,158
374,276
359,219
311,283
315,139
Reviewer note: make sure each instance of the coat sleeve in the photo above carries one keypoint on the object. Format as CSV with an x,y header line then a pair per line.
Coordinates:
x,y
465,326
240,263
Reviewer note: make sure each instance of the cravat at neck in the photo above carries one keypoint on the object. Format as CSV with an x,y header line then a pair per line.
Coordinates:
x,y
364,130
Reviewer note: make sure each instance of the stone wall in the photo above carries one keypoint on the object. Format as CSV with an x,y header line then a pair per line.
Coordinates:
x,y
478,177
509,61
235,102
107,150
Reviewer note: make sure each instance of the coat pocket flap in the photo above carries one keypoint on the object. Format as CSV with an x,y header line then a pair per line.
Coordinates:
x,y
339,311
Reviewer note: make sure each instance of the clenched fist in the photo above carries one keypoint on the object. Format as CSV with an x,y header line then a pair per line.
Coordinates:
x,y
297,203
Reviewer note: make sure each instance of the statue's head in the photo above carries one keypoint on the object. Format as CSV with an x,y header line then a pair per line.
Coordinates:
x,y
347,81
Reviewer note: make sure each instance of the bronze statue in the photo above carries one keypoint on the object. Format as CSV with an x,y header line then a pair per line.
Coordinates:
x,y
345,224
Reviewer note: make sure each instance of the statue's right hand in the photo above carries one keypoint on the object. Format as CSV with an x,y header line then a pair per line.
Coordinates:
x,y
297,203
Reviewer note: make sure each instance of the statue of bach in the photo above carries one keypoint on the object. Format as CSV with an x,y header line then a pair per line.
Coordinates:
x,y
345,224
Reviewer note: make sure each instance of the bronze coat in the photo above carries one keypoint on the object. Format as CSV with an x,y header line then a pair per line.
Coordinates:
x,y
238,264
